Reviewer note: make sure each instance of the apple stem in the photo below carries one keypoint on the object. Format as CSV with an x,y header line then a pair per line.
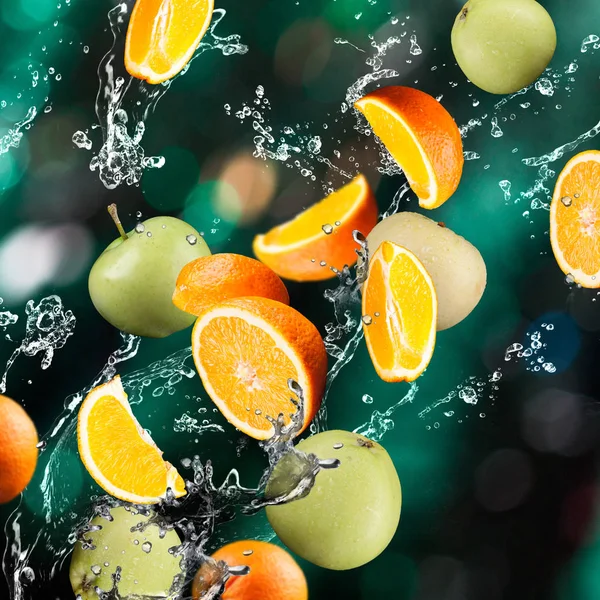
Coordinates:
x,y
112,211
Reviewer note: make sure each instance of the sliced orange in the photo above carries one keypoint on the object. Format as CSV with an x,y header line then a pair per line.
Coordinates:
x,y
212,279
575,219
163,35
305,248
399,313
422,138
246,350
118,453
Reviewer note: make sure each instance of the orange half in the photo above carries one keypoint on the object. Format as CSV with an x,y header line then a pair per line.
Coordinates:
x,y
118,453
305,248
399,313
246,350
422,138
575,219
163,35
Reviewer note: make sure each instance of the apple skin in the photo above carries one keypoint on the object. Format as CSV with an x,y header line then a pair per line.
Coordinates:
x,y
143,573
503,46
132,282
352,512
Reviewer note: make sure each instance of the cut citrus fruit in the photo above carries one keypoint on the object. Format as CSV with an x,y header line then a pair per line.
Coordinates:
x,y
163,35
118,453
305,248
246,350
212,279
575,219
399,313
422,138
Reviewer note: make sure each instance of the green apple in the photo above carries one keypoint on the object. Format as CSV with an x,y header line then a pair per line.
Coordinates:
x,y
352,512
503,46
148,569
132,282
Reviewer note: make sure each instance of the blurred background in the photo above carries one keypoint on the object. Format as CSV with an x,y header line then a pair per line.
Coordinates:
x,y
501,488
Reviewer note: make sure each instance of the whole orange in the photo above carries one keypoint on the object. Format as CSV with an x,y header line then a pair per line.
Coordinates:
x,y
274,574
18,449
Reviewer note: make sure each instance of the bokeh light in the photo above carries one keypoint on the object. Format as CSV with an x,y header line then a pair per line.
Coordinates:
x,y
24,15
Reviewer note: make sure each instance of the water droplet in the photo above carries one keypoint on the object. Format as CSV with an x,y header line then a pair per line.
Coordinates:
x,y
41,445
338,223
338,446
147,547
86,49
367,319
191,239
241,570
96,569
323,263
138,214
248,552
258,411
377,314
139,228
367,399
327,228
149,234
569,279
576,196
136,542
566,200
27,575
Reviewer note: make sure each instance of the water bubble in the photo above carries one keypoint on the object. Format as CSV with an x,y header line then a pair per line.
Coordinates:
x,y
314,145
81,140
566,200
327,228
367,319
191,239
468,395
147,547
415,49
544,87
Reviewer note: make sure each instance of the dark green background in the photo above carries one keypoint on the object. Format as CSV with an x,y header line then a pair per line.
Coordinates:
x,y
450,544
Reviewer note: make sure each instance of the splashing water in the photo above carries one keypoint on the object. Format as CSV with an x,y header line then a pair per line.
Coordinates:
x,y
124,103
48,328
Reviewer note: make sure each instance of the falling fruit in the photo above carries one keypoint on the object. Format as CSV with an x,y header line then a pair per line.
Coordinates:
x,y
273,575
455,265
163,35
575,219
18,449
118,453
132,282
503,46
212,279
422,138
352,512
147,567
399,307
307,247
246,350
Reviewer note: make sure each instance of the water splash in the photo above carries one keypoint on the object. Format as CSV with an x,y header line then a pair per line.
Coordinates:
x,y
124,103
48,327
12,138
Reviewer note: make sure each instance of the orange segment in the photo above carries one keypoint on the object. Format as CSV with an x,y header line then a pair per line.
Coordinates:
x,y
212,279
118,453
321,233
163,35
246,349
575,219
400,311
422,138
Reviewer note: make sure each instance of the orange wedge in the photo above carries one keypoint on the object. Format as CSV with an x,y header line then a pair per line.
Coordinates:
x,y
399,313
575,219
246,350
212,279
305,248
118,453
422,138
163,35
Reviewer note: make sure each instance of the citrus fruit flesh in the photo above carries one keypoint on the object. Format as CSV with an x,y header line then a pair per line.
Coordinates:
x,y
321,237
575,219
212,279
148,569
456,267
352,512
163,35
399,313
504,46
246,350
118,453
18,449
422,138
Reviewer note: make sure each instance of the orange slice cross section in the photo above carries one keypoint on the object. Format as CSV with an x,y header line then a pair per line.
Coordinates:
x,y
163,35
399,313
118,453
246,350
320,237
422,138
575,219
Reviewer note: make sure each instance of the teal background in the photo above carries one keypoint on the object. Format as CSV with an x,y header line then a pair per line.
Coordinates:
x,y
494,506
